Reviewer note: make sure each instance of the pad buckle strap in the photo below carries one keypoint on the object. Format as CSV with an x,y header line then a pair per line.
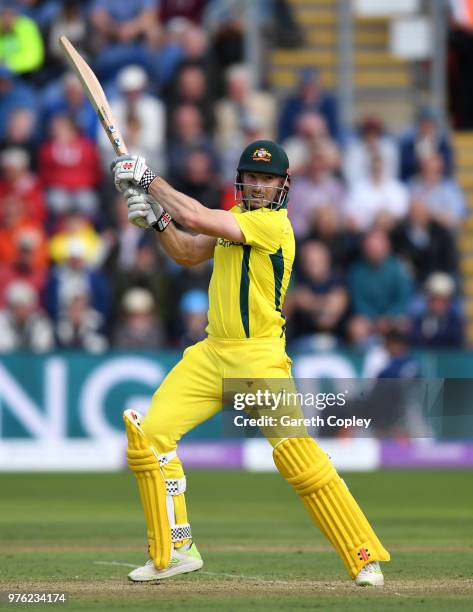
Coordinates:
x,y
181,532
165,457
175,486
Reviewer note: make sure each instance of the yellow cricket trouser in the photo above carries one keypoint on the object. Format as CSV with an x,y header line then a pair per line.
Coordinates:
x,y
192,393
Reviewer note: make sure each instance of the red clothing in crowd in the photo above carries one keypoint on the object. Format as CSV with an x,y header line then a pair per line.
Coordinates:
x,y
28,189
70,166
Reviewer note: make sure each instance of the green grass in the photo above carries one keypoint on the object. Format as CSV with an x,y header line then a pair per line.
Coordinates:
x,y
69,532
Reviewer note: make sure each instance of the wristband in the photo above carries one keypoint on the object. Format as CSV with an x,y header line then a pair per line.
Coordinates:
x,y
147,178
164,220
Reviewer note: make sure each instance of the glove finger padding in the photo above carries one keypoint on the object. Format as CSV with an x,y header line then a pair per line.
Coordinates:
x,y
128,169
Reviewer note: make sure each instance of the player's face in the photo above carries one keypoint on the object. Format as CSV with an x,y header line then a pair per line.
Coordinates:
x,y
260,189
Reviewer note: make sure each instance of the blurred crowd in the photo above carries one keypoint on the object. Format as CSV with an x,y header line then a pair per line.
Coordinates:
x,y
375,214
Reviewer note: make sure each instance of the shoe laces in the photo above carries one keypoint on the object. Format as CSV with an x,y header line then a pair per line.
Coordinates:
x,y
371,568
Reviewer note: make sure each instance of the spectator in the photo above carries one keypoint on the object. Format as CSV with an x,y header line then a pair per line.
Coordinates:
x,y
425,139
378,195
18,182
143,117
424,243
69,21
14,95
69,99
342,242
75,228
200,181
319,300
15,223
311,133
370,141
309,96
73,275
148,272
69,169
139,327
185,45
439,324
120,31
241,104
22,325
26,265
80,327
191,88
43,12
316,188
193,306
225,21
380,289
188,135
21,44
442,196
20,134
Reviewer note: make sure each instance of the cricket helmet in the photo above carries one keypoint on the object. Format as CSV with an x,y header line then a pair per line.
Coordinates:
x,y
263,156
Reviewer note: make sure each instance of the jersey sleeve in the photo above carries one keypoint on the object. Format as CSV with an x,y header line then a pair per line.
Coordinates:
x,y
261,228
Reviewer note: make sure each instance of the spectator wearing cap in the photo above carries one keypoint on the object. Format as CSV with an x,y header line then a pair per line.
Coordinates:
x,y
439,324
309,95
139,327
75,228
18,182
21,44
380,289
68,98
74,272
142,117
69,169
14,95
241,103
370,140
425,139
193,307
80,327
378,196
424,244
442,195
23,326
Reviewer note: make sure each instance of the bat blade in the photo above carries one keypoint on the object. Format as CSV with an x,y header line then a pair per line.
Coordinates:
x,y
95,93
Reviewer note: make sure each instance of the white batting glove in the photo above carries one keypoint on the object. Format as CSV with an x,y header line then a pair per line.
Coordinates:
x,y
144,211
131,170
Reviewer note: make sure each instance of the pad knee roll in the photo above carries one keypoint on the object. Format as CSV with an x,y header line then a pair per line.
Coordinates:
x,y
330,504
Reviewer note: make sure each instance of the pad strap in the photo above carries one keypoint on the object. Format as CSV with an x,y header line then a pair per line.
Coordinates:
x,y
165,458
181,532
175,486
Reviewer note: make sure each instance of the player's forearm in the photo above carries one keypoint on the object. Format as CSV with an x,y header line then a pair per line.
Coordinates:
x,y
177,244
182,208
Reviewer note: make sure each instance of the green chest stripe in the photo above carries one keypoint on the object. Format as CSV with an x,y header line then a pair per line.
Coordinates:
x,y
245,289
277,260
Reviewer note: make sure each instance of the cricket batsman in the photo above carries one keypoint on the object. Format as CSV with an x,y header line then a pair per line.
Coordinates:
x,y
253,249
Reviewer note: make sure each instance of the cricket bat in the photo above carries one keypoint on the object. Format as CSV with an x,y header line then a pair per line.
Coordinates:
x,y
99,101
95,93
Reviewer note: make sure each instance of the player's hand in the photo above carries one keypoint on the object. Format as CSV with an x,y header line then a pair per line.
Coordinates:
x,y
131,170
143,210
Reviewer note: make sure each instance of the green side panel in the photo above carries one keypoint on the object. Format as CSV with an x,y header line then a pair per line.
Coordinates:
x,y
277,260
245,289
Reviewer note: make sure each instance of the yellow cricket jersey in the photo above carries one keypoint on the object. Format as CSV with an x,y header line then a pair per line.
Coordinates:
x,y
250,280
